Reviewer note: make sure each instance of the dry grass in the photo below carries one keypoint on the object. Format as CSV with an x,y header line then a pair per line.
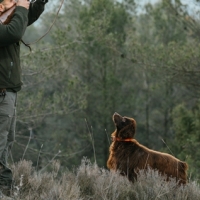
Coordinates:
x,y
91,182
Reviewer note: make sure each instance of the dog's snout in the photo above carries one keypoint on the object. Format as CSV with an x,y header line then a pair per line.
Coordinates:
x,y
117,118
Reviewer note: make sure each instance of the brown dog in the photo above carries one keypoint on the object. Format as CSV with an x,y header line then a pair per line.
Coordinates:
x,y
128,156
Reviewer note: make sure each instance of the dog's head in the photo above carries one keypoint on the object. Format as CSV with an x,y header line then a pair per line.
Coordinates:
x,y
125,127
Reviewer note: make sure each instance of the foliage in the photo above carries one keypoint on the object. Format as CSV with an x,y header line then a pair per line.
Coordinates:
x,y
88,181
186,128
105,56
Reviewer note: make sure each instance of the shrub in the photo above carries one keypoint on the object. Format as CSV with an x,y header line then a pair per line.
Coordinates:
x,y
89,181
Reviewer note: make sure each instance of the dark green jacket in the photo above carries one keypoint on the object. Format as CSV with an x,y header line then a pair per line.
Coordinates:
x,y
10,35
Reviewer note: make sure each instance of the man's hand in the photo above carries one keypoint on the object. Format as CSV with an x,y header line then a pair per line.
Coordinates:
x,y
23,3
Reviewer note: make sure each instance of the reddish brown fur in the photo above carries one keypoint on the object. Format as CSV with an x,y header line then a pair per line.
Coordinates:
x,y
129,156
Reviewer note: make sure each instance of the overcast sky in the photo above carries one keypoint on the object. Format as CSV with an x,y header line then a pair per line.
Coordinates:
x,y
187,2
193,6
190,3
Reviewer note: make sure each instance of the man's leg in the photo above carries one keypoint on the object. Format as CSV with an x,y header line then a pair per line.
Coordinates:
x,y
10,139
7,136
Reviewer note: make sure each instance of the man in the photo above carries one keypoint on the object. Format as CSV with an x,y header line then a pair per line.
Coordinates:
x,y
10,75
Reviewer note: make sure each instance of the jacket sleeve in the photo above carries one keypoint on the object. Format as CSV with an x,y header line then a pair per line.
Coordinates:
x,y
35,10
13,32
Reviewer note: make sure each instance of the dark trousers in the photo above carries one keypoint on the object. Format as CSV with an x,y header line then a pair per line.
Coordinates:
x,y
7,134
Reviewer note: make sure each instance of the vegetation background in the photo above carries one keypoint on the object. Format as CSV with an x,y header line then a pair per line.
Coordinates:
x,y
105,56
